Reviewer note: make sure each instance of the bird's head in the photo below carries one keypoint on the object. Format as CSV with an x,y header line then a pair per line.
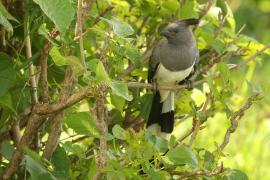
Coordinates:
x,y
179,32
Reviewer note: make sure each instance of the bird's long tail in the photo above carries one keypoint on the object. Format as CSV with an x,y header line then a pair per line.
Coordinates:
x,y
162,112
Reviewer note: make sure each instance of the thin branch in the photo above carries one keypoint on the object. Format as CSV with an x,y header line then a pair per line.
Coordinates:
x,y
33,82
235,118
96,20
194,174
252,57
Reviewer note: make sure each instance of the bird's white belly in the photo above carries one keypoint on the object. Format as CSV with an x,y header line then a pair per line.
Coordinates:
x,y
167,77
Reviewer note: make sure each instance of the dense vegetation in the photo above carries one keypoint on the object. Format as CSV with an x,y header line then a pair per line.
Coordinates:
x,y
74,97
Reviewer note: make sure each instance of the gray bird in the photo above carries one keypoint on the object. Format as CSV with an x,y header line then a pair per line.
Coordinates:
x,y
173,60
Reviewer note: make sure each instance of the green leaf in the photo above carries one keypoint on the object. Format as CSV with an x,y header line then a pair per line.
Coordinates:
x,y
76,65
101,73
230,17
121,89
57,58
37,171
4,22
145,105
235,174
82,123
6,100
7,73
119,132
61,163
170,5
182,155
6,14
6,149
117,101
187,10
134,55
60,12
120,28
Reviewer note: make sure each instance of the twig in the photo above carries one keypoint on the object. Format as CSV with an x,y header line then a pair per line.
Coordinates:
x,y
234,120
184,175
79,29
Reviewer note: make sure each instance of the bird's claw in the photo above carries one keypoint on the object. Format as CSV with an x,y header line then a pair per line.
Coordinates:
x,y
189,84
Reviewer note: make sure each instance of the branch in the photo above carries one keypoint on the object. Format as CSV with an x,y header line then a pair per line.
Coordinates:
x,y
56,126
235,118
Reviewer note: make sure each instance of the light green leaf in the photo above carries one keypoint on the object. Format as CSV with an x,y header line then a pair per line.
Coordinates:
x,y
120,28
182,155
119,132
76,65
134,55
56,56
37,171
82,123
121,89
230,17
4,22
60,12
235,175
101,73
170,5
117,101
187,10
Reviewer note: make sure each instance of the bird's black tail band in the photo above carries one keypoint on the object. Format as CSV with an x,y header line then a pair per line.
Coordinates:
x,y
164,120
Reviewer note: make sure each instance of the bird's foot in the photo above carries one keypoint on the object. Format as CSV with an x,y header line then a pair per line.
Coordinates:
x,y
154,85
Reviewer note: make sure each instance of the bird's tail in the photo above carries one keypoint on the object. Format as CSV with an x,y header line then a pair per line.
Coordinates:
x,y
162,113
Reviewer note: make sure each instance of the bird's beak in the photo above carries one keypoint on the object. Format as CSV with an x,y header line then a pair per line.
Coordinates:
x,y
165,33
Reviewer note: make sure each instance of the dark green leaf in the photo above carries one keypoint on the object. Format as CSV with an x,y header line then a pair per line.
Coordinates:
x,y
145,105
60,12
61,163
7,149
82,123
117,101
7,73
37,171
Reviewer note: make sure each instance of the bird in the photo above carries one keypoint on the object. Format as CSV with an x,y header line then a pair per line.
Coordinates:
x,y
173,61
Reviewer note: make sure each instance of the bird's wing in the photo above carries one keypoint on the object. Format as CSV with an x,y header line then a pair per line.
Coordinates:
x,y
155,60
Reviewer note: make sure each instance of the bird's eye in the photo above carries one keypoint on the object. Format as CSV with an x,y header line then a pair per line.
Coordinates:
x,y
174,30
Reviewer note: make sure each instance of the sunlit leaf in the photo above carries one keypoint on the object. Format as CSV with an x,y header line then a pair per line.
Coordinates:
x,y
120,28
235,175
119,132
121,89
118,102
56,56
101,73
82,123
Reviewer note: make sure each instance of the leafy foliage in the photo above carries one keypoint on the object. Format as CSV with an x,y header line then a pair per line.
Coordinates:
x,y
109,122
